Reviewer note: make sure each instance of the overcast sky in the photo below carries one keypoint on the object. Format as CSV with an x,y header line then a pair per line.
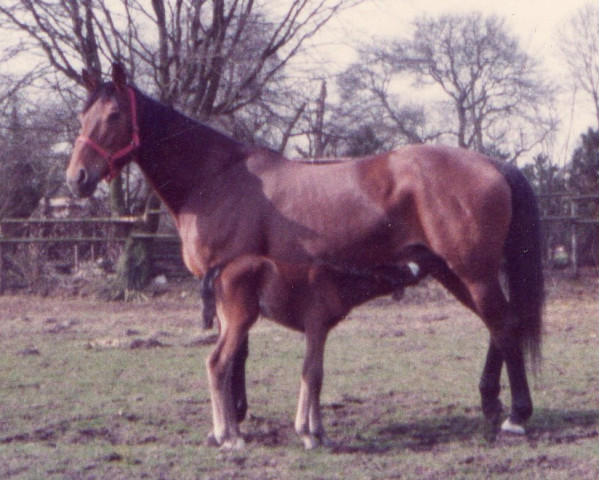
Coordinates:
x,y
534,22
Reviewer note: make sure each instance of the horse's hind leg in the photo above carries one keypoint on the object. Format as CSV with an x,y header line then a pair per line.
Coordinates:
x,y
494,309
521,401
490,386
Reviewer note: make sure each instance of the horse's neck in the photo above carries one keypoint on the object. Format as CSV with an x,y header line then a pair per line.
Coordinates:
x,y
178,154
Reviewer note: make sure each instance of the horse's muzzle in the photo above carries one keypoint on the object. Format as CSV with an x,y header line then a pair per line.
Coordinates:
x,y
82,183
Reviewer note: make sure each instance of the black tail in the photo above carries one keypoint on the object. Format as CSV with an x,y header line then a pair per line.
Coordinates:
x,y
524,261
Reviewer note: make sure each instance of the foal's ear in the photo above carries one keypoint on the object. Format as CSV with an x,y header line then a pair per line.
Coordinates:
x,y
90,82
119,76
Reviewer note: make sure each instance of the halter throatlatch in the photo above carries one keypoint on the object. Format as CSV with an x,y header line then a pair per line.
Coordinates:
x,y
118,159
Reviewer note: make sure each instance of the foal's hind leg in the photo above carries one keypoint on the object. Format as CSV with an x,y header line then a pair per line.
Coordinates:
x,y
308,421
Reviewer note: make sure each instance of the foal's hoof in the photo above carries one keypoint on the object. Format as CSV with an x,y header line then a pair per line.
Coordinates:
x,y
237,443
512,428
313,441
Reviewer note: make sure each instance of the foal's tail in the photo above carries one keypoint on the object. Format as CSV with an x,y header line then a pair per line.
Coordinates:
x,y
524,263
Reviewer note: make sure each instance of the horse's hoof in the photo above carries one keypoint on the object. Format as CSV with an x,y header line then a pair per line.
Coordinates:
x,y
512,428
493,413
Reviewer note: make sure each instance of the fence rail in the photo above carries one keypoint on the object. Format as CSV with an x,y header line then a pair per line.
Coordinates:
x,y
14,232
570,220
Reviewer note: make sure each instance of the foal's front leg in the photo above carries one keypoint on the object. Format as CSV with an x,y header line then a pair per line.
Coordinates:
x,y
308,421
220,371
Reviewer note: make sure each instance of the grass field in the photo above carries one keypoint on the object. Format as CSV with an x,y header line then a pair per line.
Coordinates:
x,y
98,390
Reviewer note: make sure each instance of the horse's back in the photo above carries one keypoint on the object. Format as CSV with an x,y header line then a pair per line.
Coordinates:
x,y
365,211
453,201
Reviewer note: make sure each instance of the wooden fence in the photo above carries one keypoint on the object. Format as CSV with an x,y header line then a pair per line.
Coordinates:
x,y
571,220
89,233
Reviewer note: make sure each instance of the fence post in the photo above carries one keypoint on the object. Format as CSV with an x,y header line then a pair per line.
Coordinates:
x,y
573,238
1,263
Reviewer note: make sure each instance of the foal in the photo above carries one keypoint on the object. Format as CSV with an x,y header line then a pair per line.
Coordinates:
x,y
308,298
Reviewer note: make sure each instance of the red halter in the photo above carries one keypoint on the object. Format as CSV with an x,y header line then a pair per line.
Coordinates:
x,y
115,160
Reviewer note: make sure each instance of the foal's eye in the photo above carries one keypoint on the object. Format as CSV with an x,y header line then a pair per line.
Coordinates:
x,y
114,116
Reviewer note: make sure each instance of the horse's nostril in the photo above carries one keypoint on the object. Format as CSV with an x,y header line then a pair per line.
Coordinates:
x,y
82,179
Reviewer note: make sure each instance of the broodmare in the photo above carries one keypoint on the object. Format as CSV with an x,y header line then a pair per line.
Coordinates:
x,y
304,243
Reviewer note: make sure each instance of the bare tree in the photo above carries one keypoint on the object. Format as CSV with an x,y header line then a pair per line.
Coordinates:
x,y
496,91
579,45
213,59
369,97
222,61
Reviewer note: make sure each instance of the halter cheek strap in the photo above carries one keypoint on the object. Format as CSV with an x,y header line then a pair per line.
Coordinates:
x,y
117,160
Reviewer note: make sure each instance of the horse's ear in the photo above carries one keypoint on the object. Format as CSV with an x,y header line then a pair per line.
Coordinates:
x,y
90,82
119,76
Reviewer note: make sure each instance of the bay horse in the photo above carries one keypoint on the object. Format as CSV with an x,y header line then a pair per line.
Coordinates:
x,y
304,243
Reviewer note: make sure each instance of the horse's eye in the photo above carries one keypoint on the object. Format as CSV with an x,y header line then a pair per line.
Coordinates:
x,y
114,116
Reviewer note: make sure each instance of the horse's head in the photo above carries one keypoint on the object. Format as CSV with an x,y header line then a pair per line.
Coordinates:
x,y
108,136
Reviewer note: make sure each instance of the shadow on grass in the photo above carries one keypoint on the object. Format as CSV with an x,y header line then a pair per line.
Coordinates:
x,y
555,426
420,435
547,427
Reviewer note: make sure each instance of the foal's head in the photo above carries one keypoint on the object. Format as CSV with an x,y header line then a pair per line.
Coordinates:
x,y
108,135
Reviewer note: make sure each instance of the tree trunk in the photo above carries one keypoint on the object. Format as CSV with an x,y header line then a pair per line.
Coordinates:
x,y
134,267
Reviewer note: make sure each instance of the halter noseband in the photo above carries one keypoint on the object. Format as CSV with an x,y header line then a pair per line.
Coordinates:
x,y
115,160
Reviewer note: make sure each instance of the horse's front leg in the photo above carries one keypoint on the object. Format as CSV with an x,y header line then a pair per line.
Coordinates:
x,y
308,421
